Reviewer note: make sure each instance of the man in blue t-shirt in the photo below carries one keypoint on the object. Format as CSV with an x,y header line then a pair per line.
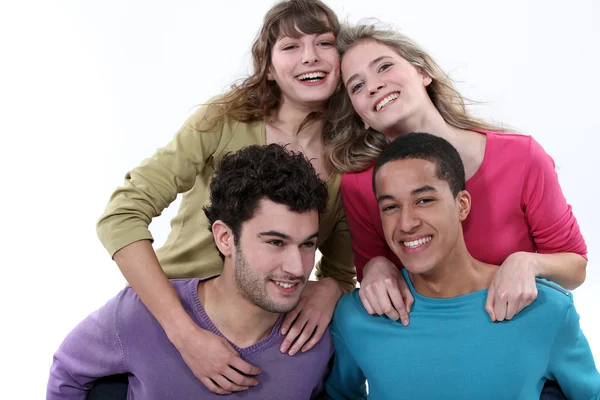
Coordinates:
x,y
451,349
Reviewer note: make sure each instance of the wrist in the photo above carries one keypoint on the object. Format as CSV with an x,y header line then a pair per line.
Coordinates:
x,y
179,329
332,286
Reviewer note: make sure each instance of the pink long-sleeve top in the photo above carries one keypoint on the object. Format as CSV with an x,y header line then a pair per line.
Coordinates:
x,y
517,205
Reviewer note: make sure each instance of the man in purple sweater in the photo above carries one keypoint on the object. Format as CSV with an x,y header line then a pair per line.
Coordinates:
x,y
264,215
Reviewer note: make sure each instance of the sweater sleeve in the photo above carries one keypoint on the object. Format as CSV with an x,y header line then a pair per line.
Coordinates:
x,y
552,223
91,351
346,380
571,362
336,250
152,186
366,242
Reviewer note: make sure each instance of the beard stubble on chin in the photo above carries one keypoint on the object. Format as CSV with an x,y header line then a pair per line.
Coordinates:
x,y
253,287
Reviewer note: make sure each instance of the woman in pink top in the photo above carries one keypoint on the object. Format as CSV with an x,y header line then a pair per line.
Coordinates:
x,y
520,219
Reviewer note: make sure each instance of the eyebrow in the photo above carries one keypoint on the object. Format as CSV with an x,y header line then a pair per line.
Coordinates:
x,y
415,192
375,61
284,236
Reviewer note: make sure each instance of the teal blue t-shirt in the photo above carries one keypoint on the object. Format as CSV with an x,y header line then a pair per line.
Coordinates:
x,y
452,350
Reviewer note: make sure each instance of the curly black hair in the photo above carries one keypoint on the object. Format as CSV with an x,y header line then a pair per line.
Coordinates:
x,y
255,172
425,146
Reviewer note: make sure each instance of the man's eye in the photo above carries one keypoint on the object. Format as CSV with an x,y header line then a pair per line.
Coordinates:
x,y
276,242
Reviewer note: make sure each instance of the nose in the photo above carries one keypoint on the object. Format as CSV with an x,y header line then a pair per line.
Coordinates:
x,y
408,221
376,87
294,263
309,56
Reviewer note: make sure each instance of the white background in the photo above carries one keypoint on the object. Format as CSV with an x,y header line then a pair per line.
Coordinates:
x,y
88,89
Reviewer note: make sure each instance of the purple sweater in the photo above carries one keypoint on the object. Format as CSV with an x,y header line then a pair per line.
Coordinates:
x,y
123,337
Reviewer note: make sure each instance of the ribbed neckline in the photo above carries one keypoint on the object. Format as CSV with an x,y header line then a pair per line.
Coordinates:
x,y
451,301
203,317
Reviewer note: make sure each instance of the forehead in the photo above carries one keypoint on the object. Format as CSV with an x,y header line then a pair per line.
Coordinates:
x,y
361,54
401,177
271,216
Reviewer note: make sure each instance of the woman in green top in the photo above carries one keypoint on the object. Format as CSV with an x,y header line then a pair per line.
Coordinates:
x,y
285,100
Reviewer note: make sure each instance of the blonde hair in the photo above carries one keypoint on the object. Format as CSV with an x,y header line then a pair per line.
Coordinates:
x,y
257,96
353,148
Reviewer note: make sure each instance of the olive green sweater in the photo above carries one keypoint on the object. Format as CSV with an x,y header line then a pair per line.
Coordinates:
x,y
185,166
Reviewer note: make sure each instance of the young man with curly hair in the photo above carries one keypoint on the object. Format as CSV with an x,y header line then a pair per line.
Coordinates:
x,y
264,217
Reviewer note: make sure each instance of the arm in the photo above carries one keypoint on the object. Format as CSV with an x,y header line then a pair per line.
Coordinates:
x,y
366,242
561,247
123,229
346,380
571,363
91,351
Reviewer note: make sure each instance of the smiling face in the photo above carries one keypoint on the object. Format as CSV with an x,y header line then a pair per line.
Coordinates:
x,y
305,68
274,256
384,88
421,217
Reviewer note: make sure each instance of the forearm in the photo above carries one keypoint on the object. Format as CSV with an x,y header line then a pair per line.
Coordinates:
x,y
566,269
140,266
334,286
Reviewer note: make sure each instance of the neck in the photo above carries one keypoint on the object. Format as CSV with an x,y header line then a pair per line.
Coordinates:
x,y
427,120
470,145
240,321
458,274
289,117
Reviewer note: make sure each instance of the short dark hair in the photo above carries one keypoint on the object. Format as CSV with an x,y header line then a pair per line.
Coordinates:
x,y
255,172
424,146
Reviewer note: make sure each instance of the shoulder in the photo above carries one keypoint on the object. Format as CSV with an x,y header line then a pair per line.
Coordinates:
x,y
357,183
553,296
131,309
209,115
513,142
349,311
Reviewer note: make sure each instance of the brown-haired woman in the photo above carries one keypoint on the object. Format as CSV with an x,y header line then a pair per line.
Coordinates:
x,y
285,100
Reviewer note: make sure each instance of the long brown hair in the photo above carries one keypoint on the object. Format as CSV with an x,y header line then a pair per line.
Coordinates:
x,y
353,148
256,96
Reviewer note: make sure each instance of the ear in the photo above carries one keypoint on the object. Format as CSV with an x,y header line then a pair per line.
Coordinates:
x,y
367,126
426,78
223,237
270,75
464,204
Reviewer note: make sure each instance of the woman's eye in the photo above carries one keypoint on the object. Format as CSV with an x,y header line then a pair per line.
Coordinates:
x,y
384,67
356,87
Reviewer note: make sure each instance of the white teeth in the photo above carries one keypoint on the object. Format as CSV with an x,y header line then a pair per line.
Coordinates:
x,y
386,100
284,284
417,243
312,75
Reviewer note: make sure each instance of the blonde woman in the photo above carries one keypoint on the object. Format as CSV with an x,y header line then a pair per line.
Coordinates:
x,y
520,219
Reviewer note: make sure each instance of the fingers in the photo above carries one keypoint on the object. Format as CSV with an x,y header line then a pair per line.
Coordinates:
x,y
305,335
212,386
489,303
406,294
397,304
227,385
289,320
293,334
317,335
365,301
238,379
245,368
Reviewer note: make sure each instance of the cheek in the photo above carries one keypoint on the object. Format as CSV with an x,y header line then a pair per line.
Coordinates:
x,y
388,225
